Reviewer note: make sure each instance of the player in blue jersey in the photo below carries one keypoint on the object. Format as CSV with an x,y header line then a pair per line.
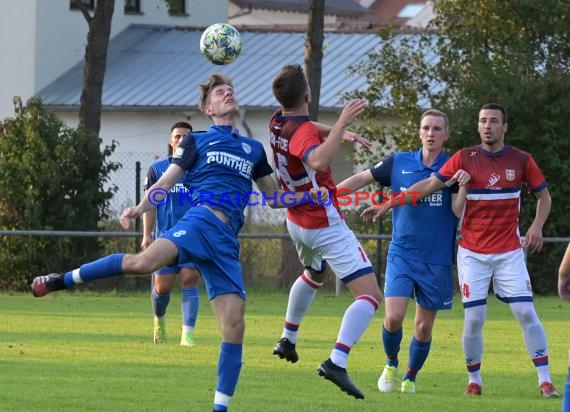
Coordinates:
x,y
420,255
159,220
220,165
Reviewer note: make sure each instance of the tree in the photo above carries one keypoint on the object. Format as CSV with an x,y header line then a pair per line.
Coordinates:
x,y
49,183
314,53
517,53
95,64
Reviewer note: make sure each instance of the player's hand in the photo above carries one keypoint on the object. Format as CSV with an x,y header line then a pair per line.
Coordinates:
x,y
461,177
351,111
352,137
374,212
146,241
128,214
533,241
320,196
564,288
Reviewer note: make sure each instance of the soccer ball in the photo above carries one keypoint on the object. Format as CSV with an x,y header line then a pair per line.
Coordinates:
x,y
220,43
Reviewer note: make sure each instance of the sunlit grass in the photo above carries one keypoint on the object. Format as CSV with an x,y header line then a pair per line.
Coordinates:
x,y
74,352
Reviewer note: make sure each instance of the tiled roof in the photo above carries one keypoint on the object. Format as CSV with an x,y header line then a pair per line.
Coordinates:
x,y
157,67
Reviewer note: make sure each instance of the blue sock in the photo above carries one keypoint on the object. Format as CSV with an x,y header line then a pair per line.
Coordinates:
x,y
189,306
229,367
391,341
159,303
566,400
418,354
106,267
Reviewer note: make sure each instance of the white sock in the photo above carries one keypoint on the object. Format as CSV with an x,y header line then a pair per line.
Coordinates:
x,y
356,319
301,298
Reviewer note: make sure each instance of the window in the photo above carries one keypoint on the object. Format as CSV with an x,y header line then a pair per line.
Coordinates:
x,y
74,4
410,11
132,6
176,7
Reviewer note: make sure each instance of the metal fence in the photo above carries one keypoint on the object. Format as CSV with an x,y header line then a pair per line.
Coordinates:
x,y
268,258
267,254
129,180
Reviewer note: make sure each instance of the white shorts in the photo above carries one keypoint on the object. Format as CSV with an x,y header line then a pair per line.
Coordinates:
x,y
511,282
336,245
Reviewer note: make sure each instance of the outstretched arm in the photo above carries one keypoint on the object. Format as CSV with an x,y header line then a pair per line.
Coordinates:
x,y
277,198
149,218
564,276
348,136
153,195
355,182
416,192
321,158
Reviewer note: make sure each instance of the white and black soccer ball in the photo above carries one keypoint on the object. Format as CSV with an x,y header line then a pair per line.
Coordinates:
x,y
221,43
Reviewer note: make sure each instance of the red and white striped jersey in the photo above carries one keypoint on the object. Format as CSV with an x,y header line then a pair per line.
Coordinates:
x,y
292,139
491,216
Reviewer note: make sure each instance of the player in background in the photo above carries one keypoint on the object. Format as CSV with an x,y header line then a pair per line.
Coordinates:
x,y
564,276
207,235
421,253
159,220
319,231
490,247
564,292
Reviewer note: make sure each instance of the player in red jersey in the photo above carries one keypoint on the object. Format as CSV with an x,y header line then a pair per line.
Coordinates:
x,y
490,248
321,236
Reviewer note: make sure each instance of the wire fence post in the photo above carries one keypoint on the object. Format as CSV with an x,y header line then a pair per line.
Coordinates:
x,y
137,201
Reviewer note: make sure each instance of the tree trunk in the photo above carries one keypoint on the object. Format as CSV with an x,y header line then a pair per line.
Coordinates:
x,y
95,65
314,54
94,68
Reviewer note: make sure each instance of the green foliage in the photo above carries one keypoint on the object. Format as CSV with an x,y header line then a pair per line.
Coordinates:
x,y
53,179
514,52
175,7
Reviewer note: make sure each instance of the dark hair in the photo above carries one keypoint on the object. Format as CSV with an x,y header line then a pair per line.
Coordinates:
x,y
178,125
181,125
495,106
216,79
290,86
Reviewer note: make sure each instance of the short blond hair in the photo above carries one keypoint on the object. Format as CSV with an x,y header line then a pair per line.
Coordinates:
x,y
216,79
436,113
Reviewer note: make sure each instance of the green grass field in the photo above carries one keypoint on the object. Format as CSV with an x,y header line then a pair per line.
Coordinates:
x,y
75,352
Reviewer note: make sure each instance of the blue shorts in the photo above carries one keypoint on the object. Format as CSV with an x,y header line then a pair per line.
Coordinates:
x,y
431,285
170,269
212,245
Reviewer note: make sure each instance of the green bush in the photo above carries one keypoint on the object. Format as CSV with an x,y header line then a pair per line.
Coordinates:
x,y
53,179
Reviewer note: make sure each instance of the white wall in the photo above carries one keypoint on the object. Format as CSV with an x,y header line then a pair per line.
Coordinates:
x,y
17,48
270,17
41,39
144,136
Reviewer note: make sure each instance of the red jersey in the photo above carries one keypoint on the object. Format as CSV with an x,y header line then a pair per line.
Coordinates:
x,y
292,139
491,216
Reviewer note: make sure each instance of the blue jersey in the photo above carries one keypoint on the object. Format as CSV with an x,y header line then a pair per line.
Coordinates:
x,y
425,232
221,166
169,213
